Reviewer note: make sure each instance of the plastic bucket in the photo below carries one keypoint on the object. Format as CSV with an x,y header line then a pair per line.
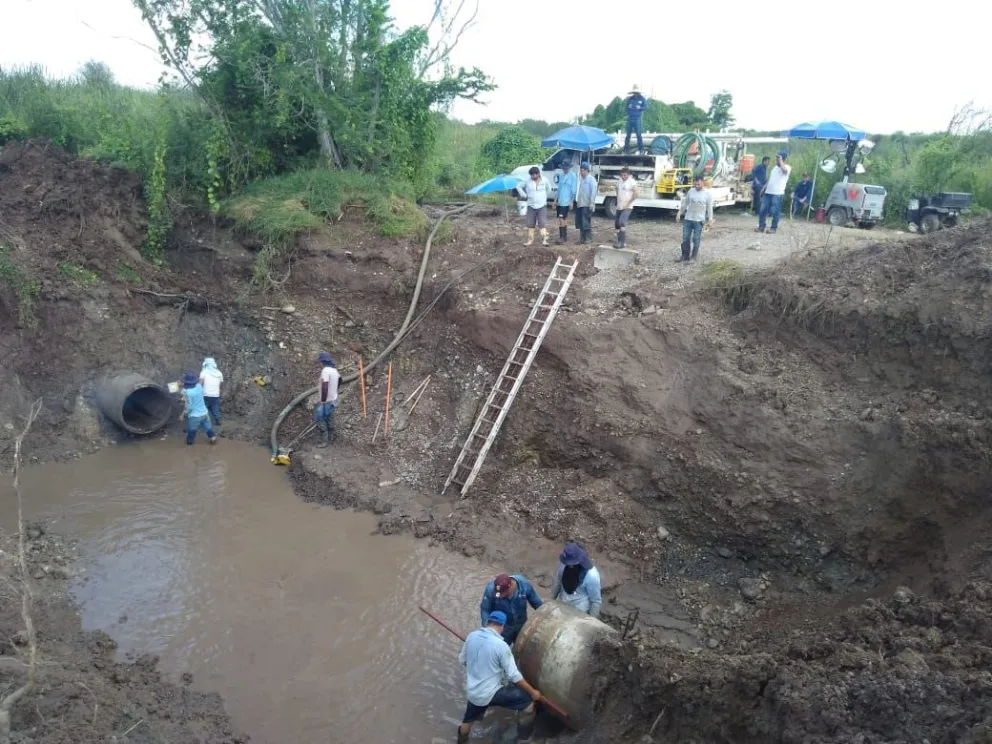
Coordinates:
x,y
821,215
522,208
747,163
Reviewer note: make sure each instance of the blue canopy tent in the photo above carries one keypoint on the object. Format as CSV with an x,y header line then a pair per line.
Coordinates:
x,y
579,137
826,130
502,182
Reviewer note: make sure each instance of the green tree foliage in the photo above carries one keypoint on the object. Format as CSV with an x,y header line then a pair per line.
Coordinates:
x,y
720,105
541,128
96,74
690,116
658,116
510,148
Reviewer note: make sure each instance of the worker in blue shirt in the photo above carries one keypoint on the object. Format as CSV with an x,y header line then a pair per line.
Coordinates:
x,y
802,194
636,104
567,186
759,177
510,595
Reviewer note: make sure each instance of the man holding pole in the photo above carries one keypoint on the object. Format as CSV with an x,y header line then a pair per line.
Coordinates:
x,y
492,678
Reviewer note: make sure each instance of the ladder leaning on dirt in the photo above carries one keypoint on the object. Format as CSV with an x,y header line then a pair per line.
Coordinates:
x,y
528,343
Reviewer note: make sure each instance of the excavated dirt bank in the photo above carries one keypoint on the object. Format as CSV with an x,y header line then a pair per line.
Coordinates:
x,y
756,456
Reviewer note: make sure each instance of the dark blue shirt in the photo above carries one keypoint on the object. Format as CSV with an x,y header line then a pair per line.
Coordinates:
x,y
636,103
802,190
760,176
515,607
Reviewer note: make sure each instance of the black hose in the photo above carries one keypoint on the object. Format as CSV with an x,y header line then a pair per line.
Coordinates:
x,y
397,339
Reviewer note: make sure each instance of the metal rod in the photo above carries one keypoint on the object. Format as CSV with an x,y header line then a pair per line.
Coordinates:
x,y
361,382
389,394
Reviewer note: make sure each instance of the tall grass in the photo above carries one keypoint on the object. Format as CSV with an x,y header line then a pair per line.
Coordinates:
x,y
456,164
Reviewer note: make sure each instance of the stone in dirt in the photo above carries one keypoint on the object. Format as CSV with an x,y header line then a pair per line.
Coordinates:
x,y
751,589
611,258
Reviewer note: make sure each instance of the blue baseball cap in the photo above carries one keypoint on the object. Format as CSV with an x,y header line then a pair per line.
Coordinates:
x,y
585,165
497,618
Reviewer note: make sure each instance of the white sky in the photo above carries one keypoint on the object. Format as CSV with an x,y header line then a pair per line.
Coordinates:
x,y
891,69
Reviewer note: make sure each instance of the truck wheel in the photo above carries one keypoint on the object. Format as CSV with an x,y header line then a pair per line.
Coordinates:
x,y
610,205
930,223
837,216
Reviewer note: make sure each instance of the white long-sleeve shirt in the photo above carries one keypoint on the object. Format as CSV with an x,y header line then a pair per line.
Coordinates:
x,y
697,205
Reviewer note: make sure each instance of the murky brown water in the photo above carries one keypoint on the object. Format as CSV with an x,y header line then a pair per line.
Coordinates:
x,y
304,622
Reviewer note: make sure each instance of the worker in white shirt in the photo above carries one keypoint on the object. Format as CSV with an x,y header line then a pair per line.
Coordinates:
x,y
323,415
537,190
771,200
626,195
697,209
211,378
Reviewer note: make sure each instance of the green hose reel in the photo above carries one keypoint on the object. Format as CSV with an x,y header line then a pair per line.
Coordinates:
x,y
703,144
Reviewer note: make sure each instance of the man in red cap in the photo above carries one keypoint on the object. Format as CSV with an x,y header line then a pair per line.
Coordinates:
x,y
509,595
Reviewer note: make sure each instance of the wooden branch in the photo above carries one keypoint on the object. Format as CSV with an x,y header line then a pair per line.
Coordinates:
x,y
26,595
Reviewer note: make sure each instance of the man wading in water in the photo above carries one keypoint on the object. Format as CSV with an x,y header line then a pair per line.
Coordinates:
x,y
510,595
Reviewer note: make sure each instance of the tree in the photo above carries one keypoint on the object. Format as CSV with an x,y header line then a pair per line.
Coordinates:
x,y
510,148
97,74
720,105
689,115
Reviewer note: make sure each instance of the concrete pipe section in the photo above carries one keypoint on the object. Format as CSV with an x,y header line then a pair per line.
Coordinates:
x,y
135,403
571,658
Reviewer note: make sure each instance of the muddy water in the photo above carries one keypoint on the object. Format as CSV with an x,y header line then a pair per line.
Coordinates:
x,y
304,621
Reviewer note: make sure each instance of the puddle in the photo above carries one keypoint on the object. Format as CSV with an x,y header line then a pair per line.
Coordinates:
x,y
304,621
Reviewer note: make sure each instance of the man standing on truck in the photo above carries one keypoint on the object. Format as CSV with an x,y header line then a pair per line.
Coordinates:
x,y
585,203
697,208
567,186
636,103
626,195
536,189
771,200
759,176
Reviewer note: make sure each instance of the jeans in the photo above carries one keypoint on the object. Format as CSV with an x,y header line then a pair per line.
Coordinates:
x,y
756,201
213,408
633,125
323,416
798,206
194,424
691,231
771,204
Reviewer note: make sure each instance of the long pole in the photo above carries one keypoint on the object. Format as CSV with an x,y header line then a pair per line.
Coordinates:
x,y
389,394
554,708
361,381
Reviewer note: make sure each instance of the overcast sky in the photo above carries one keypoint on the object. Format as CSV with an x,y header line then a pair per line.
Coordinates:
x,y
882,66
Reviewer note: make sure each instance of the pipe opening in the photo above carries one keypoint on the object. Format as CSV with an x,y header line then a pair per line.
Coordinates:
x,y
146,410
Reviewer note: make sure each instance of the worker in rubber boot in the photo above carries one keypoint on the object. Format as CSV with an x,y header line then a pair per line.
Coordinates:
x,y
323,415
759,176
635,104
774,193
537,190
567,186
577,582
626,195
695,211
196,413
493,679
211,379
510,595
585,203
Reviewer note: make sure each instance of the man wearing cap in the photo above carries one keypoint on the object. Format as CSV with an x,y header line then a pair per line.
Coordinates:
x,y
626,196
510,595
536,190
801,194
585,203
567,185
771,200
577,582
323,415
492,678
636,103
197,416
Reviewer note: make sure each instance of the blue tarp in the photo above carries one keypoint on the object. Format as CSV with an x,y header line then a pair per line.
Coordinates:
x,y
579,138
825,130
501,182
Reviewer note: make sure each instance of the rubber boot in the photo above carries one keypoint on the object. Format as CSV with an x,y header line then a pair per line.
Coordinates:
x,y
544,236
695,251
322,428
463,738
530,236
685,252
561,235
564,234
525,726
622,239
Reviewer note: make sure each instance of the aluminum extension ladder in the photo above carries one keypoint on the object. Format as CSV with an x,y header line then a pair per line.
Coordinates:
x,y
508,383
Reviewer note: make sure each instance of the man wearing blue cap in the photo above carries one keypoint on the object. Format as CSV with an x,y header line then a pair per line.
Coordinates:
x,y
577,582
774,193
323,415
585,203
492,678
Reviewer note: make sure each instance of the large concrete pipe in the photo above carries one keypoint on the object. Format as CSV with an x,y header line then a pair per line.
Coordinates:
x,y
135,403
570,657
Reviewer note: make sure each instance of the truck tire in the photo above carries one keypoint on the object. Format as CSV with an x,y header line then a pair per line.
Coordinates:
x,y
610,206
837,216
929,223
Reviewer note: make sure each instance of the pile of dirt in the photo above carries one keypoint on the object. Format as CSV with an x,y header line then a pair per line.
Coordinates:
x,y
78,301
82,695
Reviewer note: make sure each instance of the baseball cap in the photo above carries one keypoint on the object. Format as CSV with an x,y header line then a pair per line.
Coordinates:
x,y
497,618
502,585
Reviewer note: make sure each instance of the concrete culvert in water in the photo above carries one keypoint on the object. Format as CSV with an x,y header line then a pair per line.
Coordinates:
x,y
135,403
571,657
